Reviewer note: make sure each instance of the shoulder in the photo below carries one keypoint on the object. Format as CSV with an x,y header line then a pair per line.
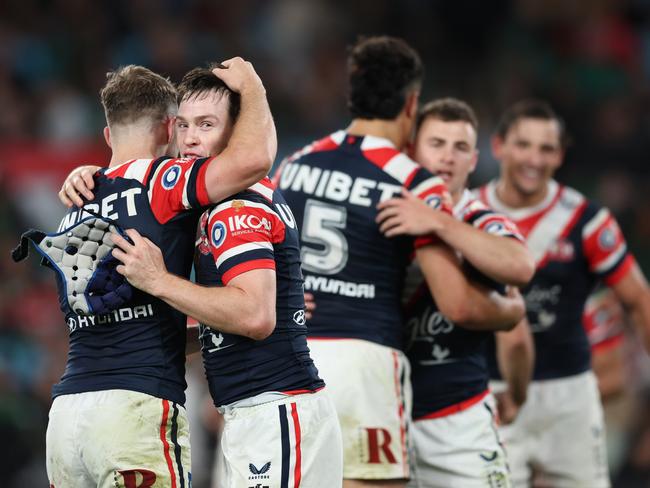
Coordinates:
x,y
327,143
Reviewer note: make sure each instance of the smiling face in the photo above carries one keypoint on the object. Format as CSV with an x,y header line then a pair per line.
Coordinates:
x,y
530,153
203,126
447,149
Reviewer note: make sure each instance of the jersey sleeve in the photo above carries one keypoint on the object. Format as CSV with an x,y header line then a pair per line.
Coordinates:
x,y
605,248
433,191
603,320
484,218
178,185
241,235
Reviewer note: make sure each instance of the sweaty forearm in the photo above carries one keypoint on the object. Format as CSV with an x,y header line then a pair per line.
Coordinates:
x,y
516,357
254,139
466,304
489,310
503,259
227,308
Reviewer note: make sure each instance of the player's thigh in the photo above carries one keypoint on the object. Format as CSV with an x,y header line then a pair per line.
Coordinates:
x,y
137,440
462,450
519,438
295,441
63,463
369,385
574,452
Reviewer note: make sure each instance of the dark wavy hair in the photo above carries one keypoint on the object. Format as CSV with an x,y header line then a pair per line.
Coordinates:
x,y
200,81
531,109
382,71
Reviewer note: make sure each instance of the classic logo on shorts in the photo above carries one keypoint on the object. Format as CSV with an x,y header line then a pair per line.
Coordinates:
x,y
218,233
171,176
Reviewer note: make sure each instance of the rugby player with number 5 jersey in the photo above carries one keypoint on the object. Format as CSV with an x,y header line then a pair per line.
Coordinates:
x,y
355,273
576,243
454,431
117,419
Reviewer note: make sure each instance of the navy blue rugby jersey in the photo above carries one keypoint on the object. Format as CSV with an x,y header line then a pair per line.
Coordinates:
x,y
141,346
255,229
355,273
448,363
576,244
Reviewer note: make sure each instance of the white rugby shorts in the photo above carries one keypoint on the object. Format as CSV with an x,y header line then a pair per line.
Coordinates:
x,y
293,442
371,389
460,450
559,432
117,439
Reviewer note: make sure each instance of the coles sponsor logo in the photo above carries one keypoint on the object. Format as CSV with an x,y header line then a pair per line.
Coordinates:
x,y
171,176
218,233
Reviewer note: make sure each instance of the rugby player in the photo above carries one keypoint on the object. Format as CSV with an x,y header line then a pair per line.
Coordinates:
x,y
279,429
355,274
575,243
117,418
454,431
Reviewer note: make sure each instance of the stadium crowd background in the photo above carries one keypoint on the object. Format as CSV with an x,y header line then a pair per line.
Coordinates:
x,y
589,58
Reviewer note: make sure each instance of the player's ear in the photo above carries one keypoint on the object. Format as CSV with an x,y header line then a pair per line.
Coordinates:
x,y
497,147
411,106
170,129
472,166
107,136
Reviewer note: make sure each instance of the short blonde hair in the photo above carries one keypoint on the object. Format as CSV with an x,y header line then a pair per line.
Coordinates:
x,y
134,92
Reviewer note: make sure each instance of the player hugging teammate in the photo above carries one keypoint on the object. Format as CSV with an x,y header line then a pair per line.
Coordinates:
x,y
328,402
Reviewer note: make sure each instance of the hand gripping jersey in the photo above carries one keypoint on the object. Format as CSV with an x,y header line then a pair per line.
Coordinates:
x,y
355,273
448,364
141,345
575,244
255,229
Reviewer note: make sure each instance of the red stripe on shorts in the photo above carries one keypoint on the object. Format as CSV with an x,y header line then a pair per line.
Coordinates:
x,y
163,438
400,412
296,427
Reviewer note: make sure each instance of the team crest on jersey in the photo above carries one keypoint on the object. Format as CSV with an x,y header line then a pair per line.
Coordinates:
x,y
561,250
434,201
202,242
607,239
218,233
171,176
495,228
238,205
